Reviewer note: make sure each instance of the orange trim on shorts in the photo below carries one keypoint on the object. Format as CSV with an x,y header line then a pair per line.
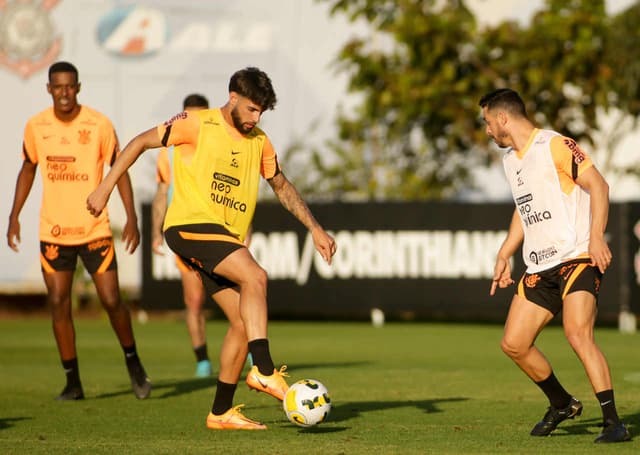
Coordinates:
x,y
108,258
45,265
521,287
210,237
184,268
574,275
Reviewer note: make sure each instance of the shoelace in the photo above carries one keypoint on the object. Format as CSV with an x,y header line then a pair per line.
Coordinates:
x,y
236,411
282,372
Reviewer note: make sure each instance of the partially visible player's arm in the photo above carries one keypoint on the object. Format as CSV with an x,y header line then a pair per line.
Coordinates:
x,y
23,188
292,201
158,212
502,269
594,183
130,233
142,142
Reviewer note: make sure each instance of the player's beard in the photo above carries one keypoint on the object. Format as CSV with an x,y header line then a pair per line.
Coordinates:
x,y
237,122
501,138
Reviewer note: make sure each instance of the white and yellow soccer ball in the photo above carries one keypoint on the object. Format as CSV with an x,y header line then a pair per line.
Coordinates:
x,y
307,403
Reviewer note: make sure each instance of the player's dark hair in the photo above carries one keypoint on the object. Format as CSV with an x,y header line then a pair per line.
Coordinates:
x,y
195,100
63,67
255,85
504,98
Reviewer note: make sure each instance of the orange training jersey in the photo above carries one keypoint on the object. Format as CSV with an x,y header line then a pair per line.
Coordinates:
x,y
71,156
554,210
215,175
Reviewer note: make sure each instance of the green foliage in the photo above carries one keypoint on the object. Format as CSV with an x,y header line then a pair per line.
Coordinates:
x,y
418,75
557,64
408,139
622,54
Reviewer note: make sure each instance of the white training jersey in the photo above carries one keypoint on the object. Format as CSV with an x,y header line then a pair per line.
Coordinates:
x,y
554,210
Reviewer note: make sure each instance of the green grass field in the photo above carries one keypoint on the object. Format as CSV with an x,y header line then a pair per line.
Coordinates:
x,y
406,388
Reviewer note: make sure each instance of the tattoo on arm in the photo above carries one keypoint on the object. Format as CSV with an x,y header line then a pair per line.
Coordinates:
x,y
292,201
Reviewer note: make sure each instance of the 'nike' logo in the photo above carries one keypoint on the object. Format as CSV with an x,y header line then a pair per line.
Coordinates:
x,y
518,171
605,403
257,378
234,153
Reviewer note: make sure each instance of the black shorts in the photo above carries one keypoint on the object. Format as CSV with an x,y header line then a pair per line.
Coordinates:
x,y
202,247
98,256
549,288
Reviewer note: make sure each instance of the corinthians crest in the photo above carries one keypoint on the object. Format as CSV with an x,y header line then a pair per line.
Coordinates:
x,y
27,37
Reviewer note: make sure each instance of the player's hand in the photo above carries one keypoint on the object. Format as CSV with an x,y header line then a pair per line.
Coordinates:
x,y
501,275
97,201
156,244
599,253
131,236
13,235
325,244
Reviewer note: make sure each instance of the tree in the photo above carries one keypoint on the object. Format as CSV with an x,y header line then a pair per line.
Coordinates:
x,y
419,74
410,137
557,64
622,54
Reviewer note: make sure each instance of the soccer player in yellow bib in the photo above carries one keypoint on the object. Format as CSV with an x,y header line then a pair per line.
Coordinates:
x,y
562,205
72,142
216,174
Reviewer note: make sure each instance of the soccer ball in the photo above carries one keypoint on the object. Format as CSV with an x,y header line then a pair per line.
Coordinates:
x,y
307,403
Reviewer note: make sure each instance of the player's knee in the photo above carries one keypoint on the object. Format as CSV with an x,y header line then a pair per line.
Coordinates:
x,y
259,279
578,339
59,307
112,303
58,301
237,330
194,303
511,349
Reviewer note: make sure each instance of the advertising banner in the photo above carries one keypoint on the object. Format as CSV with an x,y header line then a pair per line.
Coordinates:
x,y
410,260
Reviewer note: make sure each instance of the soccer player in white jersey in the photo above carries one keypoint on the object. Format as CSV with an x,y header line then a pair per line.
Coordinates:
x,y
562,205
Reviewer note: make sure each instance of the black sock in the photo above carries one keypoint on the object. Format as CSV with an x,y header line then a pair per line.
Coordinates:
x,y
558,396
201,353
224,397
259,350
130,354
608,407
72,372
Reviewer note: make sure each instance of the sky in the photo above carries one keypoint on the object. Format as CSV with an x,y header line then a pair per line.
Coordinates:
x,y
491,12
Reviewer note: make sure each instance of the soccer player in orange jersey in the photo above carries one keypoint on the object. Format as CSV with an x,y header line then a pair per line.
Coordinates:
x,y
72,142
562,205
192,289
216,176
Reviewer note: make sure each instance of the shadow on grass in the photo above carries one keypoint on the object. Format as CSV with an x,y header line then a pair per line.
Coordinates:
x,y
351,410
320,429
593,426
292,369
8,422
167,389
